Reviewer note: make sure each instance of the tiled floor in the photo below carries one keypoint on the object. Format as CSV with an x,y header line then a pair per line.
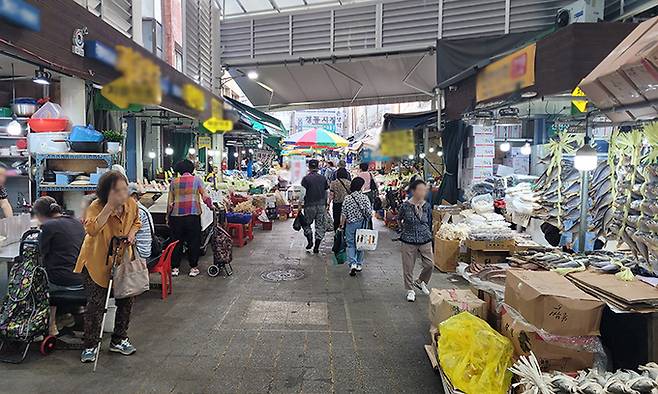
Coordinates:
x,y
324,333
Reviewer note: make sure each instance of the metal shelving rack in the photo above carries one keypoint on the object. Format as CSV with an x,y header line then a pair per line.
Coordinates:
x,y
41,162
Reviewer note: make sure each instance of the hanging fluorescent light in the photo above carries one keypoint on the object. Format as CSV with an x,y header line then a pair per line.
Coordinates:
x,y
586,158
526,149
505,146
191,151
151,155
14,128
169,151
252,75
42,77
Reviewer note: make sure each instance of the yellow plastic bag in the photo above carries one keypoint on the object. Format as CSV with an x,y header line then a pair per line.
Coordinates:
x,y
474,356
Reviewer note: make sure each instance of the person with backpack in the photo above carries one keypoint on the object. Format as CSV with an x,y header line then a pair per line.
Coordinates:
x,y
415,222
356,213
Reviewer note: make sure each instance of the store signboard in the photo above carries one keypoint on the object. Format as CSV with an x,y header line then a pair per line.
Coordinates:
x,y
297,169
515,71
397,143
139,83
330,120
204,141
21,14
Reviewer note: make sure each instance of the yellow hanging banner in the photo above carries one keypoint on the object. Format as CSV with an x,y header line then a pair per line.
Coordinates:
x,y
216,122
512,72
139,83
397,143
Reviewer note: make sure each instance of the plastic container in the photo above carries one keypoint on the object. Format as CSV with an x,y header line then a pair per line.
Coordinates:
x,y
6,112
45,143
88,147
85,134
48,125
49,111
240,218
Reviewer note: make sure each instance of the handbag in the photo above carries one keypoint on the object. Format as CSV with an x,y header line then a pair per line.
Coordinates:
x,y
131,277
366,237
300,221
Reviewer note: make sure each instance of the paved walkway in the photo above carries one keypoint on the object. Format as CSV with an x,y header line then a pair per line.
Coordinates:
x,y
324,333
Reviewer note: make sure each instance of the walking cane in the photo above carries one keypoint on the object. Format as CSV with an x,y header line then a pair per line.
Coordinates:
x,y
112,253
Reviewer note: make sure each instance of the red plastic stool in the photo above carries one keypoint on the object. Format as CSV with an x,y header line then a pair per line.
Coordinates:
x,y
237,234
249,230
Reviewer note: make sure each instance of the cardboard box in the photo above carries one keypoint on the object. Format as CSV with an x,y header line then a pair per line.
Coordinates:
x,y
551,302
445,303
550,353
493,311
446,254
485,257
492,246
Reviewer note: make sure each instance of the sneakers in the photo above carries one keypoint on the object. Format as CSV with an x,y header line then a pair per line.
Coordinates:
x,y
174,272
195,271
422,287
411,296
359,268
316,248
353,269
88,355
124,347
309,245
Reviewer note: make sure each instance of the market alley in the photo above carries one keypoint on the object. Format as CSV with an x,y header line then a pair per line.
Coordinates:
x,y
325,332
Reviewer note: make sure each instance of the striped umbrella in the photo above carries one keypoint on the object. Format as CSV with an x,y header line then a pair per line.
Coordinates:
x,y
316,138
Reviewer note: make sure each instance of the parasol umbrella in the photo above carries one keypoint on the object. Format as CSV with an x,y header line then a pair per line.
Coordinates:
x,y
316,138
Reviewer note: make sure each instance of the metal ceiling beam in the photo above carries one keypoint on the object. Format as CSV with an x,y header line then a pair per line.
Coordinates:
x,y
276,7
241,6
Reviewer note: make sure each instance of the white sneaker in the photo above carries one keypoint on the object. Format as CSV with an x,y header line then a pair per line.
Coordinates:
x,y
194,272
422,287
174,272
359,268
411,296
353,269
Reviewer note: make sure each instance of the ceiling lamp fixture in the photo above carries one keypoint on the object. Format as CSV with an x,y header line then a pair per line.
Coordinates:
x,y
252,74
411,157
169,151
42,77
191,151
431,150
422,155
526,149
508,117
586,157
529,94
505,146
151,155
14,128
440,153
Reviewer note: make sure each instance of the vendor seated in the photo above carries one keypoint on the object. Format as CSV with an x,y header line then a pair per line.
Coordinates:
x,y
60,241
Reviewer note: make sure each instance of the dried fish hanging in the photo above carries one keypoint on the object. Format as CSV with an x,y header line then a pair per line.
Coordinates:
x,y
559,145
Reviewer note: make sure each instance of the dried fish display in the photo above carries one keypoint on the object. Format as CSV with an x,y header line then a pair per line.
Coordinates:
x,y
533,381
618,263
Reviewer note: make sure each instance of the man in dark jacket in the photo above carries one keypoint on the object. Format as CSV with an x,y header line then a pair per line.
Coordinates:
x,y
315,205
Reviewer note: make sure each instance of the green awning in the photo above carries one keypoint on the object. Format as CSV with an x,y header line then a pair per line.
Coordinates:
x,y
261,120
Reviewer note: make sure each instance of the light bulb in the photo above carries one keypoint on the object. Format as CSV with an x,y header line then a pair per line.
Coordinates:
x,y
14,128
439,153
586,158
151,155
411,157
422,155
260,146
252,75
526,149
431,150
251,151
191,151
244,152
505,146
169,151
235,154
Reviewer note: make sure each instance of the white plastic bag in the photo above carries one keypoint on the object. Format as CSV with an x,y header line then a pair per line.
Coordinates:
x,y
366,239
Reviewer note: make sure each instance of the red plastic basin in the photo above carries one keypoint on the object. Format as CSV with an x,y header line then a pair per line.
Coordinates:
x,y
48,125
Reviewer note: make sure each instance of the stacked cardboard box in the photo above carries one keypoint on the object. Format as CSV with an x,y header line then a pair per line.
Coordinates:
x,y
548,315
489,252
478,163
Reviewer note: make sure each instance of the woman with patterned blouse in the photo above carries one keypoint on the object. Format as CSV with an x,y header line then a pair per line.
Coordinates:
x,y
356,213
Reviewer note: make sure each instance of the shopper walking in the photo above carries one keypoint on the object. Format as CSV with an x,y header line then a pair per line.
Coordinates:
x,y
339,188
186,193
112,214
356,213
314,205
415,217
59,244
